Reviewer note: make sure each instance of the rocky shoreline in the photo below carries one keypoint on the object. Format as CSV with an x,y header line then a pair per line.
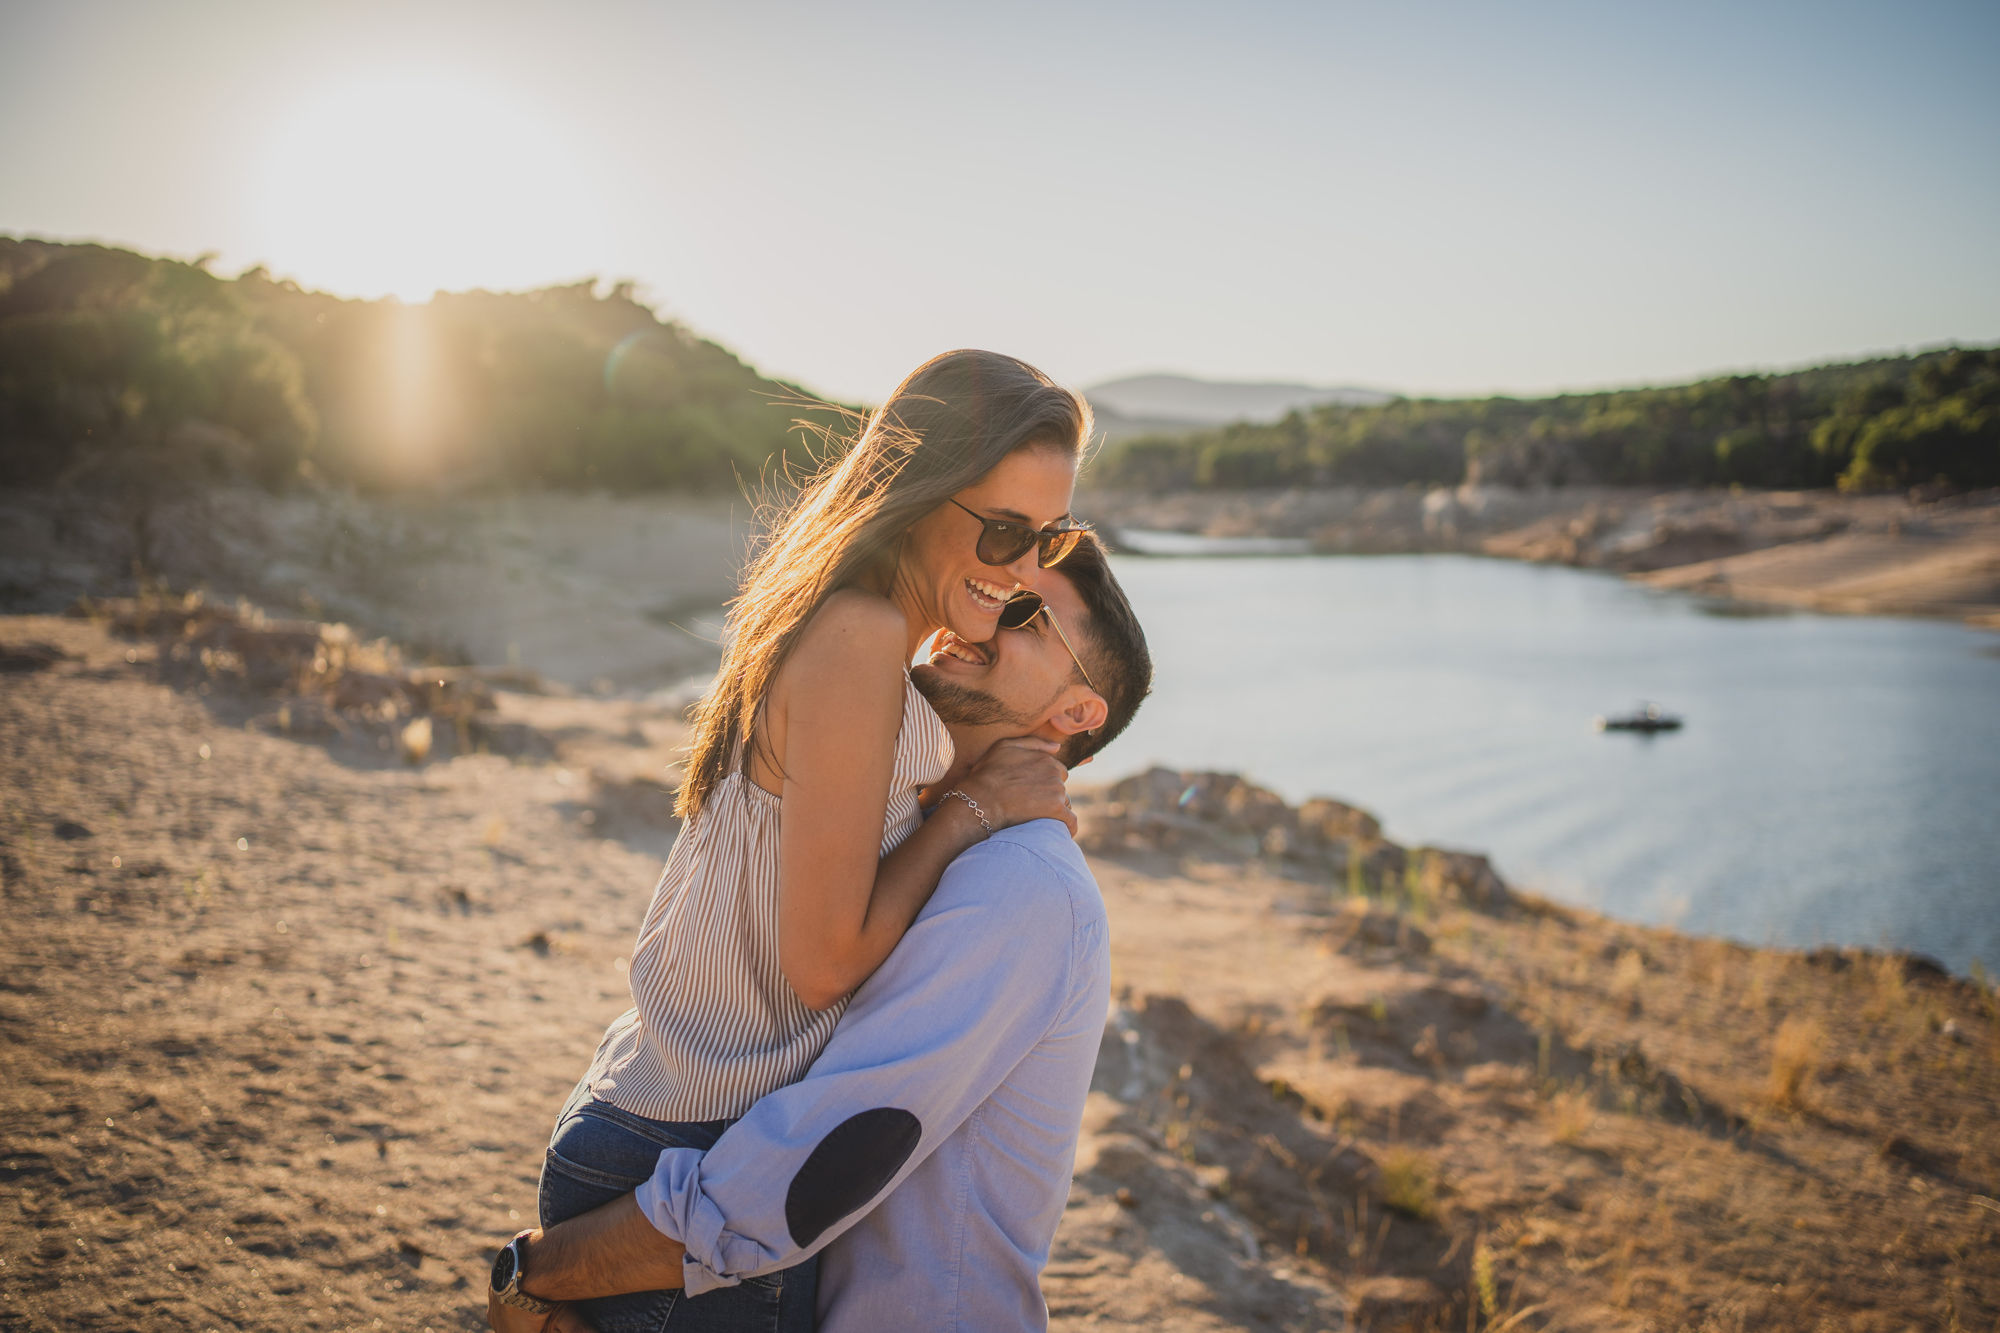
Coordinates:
x,y
1915,554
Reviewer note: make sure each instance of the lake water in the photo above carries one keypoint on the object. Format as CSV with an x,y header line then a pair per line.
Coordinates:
x,y
1837,781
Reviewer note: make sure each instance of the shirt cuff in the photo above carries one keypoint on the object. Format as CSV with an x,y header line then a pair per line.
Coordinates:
x,y
672,1200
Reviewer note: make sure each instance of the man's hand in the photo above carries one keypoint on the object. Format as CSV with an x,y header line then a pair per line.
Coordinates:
x,y
504,1318
605,1252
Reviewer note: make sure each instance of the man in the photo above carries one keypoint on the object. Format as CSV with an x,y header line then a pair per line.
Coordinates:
x,y
928,1151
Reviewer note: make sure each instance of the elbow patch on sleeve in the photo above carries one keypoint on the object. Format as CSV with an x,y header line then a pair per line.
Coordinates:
x,y
848,1168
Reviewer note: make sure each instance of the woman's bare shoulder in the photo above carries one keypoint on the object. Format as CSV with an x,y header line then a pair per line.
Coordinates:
x,y
851,627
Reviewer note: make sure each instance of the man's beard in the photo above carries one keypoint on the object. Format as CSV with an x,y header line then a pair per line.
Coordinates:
x,y
964,706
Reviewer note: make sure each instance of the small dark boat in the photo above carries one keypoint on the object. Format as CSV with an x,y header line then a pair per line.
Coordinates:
x,y
1648,719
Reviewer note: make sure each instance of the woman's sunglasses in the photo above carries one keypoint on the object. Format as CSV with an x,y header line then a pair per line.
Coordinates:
x,y
1002,542
1024,606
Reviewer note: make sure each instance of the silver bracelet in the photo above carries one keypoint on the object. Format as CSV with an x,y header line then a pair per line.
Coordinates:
x,y
977,813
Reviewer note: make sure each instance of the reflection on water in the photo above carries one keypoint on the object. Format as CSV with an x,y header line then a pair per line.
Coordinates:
x,y
1144,541
1834,782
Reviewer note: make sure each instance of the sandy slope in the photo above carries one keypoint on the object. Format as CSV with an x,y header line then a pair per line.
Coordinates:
x,y
284,1023
1954,573
585,589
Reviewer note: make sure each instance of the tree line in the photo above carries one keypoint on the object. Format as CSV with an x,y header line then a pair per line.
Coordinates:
x,y
1932,418
120,365
115,364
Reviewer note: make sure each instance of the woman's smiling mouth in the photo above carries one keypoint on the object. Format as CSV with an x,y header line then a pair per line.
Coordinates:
x,y
988,597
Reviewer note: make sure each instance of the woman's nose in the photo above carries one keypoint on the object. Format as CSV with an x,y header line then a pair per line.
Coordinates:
x,y
1024,570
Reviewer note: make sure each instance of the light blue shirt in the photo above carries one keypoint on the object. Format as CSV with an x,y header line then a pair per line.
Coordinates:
x,y
929,1149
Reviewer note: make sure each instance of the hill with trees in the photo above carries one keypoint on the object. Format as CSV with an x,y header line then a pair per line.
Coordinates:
x,y
122,367
1893,422
114,363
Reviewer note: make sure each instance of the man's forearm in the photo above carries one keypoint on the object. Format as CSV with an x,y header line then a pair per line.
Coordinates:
x,y
605,1252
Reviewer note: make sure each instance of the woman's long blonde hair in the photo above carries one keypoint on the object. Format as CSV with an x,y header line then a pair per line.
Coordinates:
x,y
946,426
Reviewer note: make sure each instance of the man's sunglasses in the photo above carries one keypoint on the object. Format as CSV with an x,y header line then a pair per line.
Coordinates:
x,y
1002,542
1023,607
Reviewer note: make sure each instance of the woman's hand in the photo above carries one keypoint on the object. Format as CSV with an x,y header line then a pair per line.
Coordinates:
x,y
1018,780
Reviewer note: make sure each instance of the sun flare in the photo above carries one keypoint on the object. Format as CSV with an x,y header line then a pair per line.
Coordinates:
x,y
404,182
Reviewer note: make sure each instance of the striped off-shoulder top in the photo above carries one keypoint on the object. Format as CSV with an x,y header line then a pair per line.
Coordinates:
x,y
714,1025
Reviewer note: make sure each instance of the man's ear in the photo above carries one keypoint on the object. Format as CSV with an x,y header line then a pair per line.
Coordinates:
x,y
1082,709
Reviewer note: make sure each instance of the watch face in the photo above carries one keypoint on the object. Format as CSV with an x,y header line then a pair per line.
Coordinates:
x,y
503,1267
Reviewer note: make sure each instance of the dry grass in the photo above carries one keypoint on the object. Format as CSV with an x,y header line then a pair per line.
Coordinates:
x,y
1795,1055
1888,986
1409,1183
1569,1114
1765,968
1627,973
1484,1286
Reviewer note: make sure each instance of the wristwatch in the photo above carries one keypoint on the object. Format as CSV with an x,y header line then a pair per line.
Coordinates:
x,y
509,1267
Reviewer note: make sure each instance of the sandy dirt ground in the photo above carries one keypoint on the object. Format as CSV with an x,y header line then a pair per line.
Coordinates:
x,y
285,1019
1945,569
595,591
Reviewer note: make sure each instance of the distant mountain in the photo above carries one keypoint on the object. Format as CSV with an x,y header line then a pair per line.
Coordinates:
x,y
1184,402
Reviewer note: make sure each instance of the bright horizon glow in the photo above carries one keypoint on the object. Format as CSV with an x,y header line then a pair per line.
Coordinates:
x,y
1432,198
404,181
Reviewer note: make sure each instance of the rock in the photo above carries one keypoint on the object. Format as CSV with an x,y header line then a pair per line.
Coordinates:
x,y
1469,1002
70,831
1154,789
269,653
448,692
18,658
302,718
1175,811
1336,822
1923,967
1252,809
1379,928
1394,1304
369,691
1461,877
1384,867
1222,799
1103,827
516,740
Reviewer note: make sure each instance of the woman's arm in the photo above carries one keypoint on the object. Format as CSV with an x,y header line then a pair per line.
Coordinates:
x,y
842,906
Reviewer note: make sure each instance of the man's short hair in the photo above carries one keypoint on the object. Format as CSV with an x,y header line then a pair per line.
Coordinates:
x,y
1113,649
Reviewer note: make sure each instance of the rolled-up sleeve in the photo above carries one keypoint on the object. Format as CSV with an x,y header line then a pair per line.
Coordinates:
x,y
976,981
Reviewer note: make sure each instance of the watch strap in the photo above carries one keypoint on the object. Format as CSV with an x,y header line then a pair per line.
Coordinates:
x,y
512,1294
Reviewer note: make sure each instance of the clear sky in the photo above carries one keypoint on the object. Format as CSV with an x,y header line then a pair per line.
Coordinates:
x,y
1444,198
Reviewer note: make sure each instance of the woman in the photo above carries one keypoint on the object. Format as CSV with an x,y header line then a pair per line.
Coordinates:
x,y
955,495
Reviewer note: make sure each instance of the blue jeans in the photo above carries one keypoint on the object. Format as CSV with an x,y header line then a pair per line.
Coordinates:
x,y
599,1152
